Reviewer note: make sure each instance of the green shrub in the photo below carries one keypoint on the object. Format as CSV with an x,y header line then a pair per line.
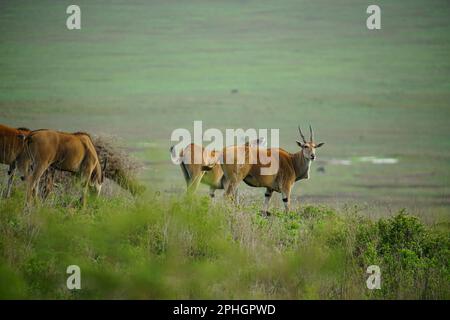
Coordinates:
x,y
191,248
413,258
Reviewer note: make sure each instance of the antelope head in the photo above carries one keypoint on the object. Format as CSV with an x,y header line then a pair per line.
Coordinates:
x,y
308,147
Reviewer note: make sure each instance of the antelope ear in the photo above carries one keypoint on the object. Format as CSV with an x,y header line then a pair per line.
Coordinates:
x,y
300,144
320,144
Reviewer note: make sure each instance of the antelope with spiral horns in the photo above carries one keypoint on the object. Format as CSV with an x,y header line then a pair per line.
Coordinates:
x,y
291,167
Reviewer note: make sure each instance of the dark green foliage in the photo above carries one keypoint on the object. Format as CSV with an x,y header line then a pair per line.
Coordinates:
x,y
414,259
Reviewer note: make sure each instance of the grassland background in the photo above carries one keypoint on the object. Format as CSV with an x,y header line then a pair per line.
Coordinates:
x,y
139,69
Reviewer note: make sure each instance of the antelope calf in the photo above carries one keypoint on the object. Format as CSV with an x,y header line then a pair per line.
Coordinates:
x,y
73,152
291,168
201,165
11,149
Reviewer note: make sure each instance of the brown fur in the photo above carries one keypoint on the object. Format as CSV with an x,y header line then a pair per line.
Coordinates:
x,y
11,144
11,147
73,152
291,168
205,172
208,172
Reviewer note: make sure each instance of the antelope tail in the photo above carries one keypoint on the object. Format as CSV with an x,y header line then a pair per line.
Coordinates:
x,y
27,141
186,174
176,159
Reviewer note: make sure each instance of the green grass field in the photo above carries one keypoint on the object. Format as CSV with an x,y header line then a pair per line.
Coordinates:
x,y
139,69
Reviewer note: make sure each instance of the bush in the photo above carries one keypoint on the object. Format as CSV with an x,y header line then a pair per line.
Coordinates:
x,y
190,248
120,166
413,258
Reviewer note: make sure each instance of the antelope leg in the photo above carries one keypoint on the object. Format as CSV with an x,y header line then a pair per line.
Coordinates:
x,y
11,173
267,197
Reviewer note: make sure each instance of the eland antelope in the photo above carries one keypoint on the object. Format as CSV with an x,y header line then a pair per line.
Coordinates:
x,y
73,152
206,171
291,167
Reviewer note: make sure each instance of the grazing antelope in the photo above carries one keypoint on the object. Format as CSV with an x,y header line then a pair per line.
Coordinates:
x,y
73,152
291,168
11,148
208,171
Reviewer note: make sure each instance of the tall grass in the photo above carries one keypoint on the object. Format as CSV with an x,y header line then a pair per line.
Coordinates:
x,y
155,248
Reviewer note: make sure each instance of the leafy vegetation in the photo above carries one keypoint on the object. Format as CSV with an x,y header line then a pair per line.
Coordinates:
x,y
415,260
139,69
192,248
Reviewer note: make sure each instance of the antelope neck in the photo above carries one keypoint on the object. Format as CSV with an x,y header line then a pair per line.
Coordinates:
x,y
301,166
